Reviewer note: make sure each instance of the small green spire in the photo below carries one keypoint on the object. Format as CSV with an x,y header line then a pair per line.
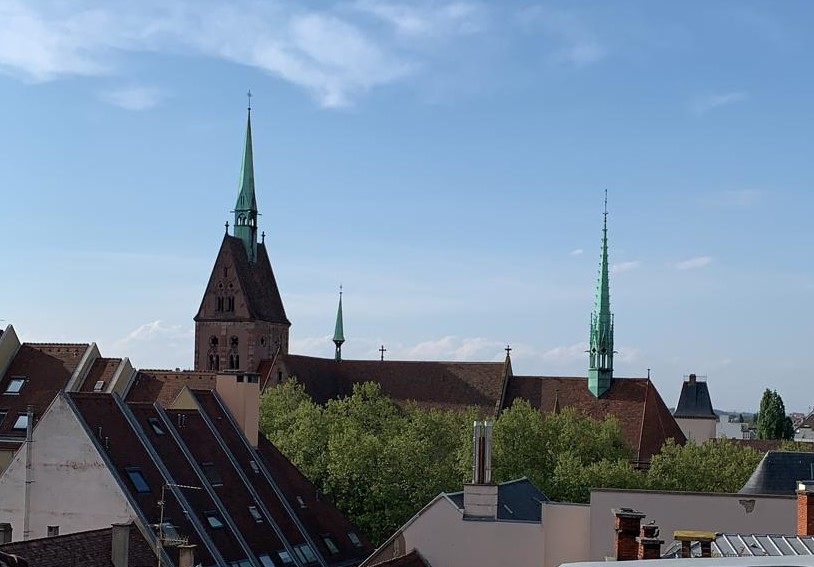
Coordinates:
x,y
600,353
245,225
339,330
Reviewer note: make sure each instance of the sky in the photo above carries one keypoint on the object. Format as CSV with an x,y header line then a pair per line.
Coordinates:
x,y
444,161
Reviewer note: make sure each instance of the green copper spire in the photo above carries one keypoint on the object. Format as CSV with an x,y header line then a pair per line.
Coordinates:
x,y
600,353
245,227
339,330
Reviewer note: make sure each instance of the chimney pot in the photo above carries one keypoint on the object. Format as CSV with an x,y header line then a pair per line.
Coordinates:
x,y
805,508
627,526
120,545
186,555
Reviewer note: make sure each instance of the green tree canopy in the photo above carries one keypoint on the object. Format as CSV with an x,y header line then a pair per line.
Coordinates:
x,y
771,421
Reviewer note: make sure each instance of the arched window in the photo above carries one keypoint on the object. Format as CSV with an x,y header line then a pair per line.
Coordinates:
x,y
213,341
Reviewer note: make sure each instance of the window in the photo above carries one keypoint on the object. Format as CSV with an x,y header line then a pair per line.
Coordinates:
x,y
252,464
330,544
53,531
156,425
256,514
15,385
230,304
285,557
213,341
3,416
214,519
233,341
354,539
138,480
240,378
22,422
240,563
265,560
220,304
211,474
252,378
305,553
99,386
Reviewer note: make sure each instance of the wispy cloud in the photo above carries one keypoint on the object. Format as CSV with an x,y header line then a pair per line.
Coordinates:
x,y
565,354
154,331
694,263
427,19
625,267
455,348
577,44
707,103
133,97
577,252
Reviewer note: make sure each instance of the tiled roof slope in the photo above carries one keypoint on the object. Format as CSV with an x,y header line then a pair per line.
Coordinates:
x,y
256,280
46,369
644,420
694,401
262,502
163,386
101,370
88,549
778,473
429,383
412,559
517,501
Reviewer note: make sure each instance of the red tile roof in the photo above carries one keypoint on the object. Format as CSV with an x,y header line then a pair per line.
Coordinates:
x,y
163,386
88,549
46,369
644,419
101,370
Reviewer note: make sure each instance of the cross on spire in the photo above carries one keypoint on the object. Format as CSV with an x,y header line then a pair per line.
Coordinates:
x,y
382,350
508,349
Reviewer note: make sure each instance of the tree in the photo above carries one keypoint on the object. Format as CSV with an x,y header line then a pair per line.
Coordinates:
x,y
771,421
717,465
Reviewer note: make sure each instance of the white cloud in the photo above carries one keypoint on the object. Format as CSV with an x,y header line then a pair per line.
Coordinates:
x,y
707,103
577,252
565,354
133,97
154,331
455,348
312,346
625,267
578,45
427,19
694,263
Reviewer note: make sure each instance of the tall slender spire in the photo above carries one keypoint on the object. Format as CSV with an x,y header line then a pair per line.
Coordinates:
x,y
600,353
245,225
339,330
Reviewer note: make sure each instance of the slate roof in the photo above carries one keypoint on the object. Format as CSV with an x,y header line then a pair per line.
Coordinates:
x,y
261,294
644,420
86,549
46,369
429,383
694,401
205,448
778,473
517,500
749,545
412,559
163,386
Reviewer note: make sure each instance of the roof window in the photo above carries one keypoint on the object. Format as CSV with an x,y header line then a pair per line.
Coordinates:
x,y
99,386
212,474
214,519
305,553
138,480
255,468
240,563
354,539
22,422
285,557
3,414
155,425
255,514
15,385
330,544
265,560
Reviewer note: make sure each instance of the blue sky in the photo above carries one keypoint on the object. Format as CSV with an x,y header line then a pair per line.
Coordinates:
x,y
444,161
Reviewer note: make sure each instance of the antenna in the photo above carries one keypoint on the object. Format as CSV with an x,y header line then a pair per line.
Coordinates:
x,y
161,539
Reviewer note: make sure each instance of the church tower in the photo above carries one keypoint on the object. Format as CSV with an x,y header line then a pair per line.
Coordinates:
x,y
241,320
600,353
339,330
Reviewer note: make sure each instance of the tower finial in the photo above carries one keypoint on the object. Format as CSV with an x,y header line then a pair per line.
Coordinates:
x,y
249,96
339,329
600,351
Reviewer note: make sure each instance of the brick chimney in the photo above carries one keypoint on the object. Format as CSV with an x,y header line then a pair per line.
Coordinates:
x,y
480,497
241,394
186,555
649,542
627,526
120,545
805,507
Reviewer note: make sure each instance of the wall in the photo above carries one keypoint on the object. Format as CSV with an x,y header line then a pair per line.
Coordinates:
x,y
565,531
699,430
243,401
738,513
72,487
9,345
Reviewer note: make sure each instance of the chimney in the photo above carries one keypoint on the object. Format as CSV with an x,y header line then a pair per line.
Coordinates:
x,y
688,537
186,555
627,526
241,394
693,378
480,497
649,542
5,533
120,544
805,507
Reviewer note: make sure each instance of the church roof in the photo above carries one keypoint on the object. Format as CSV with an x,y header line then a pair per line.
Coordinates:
x,y
694,401
430,383
644,420
256,279
778,473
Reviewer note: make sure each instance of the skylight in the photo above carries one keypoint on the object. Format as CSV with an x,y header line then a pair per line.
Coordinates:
x,y
211,474
214,519
255,514
156,425
330,544
15,385
22,422
138,480
285,557
265,560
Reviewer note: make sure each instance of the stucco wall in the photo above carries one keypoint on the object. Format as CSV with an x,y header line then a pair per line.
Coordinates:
x,y
9,345
565,529
72,487
699,430
444,538
672,511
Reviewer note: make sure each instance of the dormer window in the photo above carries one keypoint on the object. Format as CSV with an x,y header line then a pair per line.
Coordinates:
x,y
15,385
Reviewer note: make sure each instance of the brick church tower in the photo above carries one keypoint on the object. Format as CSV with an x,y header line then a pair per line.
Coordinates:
x,y
241,320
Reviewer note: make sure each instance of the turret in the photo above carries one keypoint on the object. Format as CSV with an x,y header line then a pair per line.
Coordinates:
x,y
245,224
339,329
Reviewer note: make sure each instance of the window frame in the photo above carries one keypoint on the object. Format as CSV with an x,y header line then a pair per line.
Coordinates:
x,y
211,474
17,425
214,520
21,380
141,485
